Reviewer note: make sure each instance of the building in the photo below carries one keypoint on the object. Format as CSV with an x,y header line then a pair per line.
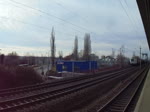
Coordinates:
x,y
76,66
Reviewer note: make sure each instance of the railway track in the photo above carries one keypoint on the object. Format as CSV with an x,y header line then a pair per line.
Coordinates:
x,y
43,96
42,86
53,83
122,101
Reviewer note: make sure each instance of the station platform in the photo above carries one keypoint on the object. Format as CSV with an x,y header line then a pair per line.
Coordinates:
x,y
143,104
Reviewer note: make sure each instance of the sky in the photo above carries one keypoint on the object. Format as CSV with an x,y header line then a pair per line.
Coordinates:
x,y
26,25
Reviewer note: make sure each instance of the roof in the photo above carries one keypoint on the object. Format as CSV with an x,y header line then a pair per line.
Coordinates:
x,y
144,8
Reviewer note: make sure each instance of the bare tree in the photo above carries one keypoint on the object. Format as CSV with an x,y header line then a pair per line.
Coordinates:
x,y
75,50
52,46
87,47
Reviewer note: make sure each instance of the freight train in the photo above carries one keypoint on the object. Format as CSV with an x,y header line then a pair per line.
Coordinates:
x,y
134,61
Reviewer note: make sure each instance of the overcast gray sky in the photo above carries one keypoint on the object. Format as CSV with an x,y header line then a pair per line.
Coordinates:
x,y
25,25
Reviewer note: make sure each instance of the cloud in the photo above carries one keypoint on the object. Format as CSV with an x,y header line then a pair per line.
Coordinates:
x,y
12,14
38,51
30,30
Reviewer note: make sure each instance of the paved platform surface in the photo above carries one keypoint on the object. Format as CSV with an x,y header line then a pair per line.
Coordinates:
x,y
143,104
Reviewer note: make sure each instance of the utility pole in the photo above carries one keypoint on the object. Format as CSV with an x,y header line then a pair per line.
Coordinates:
x,y
140,57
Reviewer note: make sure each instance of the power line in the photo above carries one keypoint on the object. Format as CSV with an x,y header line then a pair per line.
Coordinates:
x,y
136,26
129,18
135,22
131,14
58,3
31,24
48,23
41,27
48,14
126,12
40,10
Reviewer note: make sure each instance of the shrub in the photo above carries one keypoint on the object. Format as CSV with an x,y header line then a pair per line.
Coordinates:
x,y
17,76
26,76
7,77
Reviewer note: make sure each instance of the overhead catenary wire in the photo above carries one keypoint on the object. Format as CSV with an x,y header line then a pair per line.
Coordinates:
x,y
133,21
132,25
140,42
48,23
35,24
48,14
51,15
69,10
41,27
43,13
31,24
132,14
38,26
127,15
